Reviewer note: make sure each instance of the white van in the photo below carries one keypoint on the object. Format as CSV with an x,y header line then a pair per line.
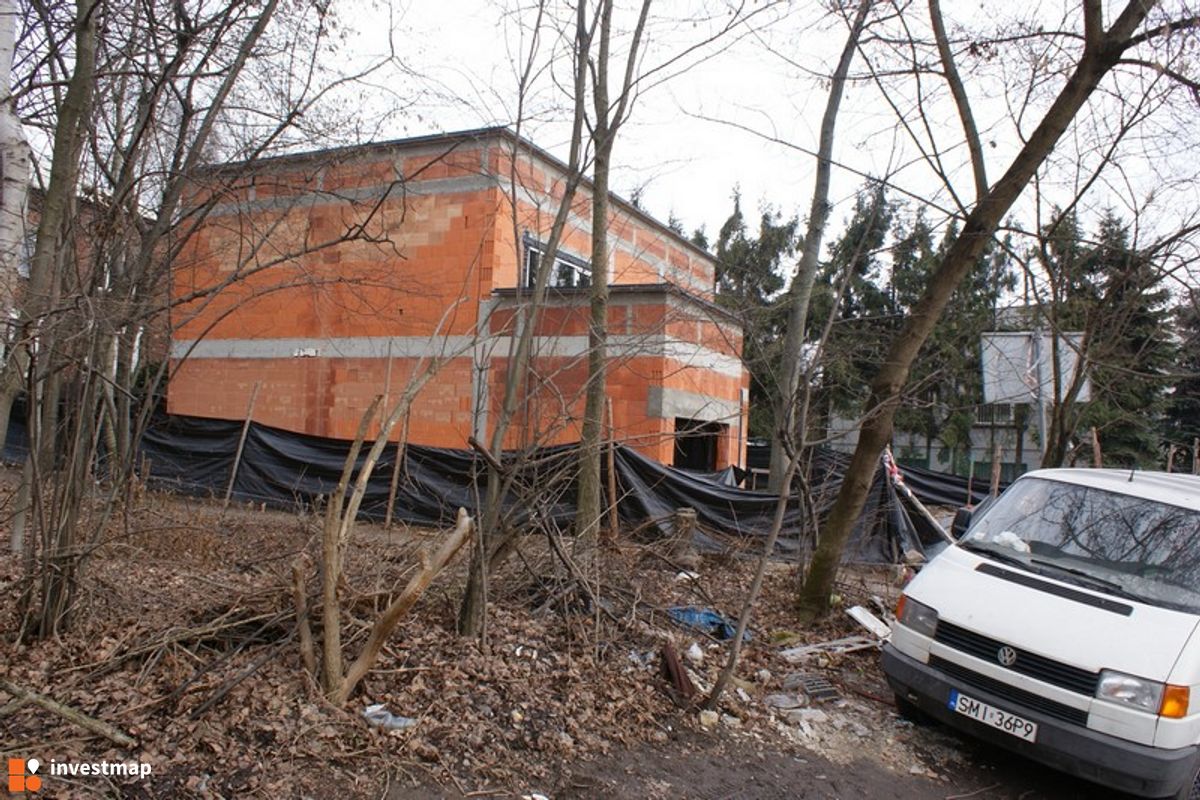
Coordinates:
x,y
1064,626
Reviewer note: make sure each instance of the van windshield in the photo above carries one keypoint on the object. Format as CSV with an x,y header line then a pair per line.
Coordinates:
x,y
1137,548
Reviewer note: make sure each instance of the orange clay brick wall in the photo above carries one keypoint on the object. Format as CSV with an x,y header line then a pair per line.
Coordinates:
x,y
308,315
313,327
650,371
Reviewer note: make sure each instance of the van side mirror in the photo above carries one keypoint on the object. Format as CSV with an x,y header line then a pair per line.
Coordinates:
x,y
962,521
967,514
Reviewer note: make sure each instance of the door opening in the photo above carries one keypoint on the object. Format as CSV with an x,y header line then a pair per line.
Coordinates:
x,y
696,444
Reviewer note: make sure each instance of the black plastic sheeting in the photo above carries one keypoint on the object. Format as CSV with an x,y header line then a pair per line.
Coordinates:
x,y
283,469
939,489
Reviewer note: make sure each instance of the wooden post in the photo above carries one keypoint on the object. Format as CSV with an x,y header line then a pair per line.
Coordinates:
x,y
237,458
1170,458
1196,456
1097,456
395,484
614,520
385,409
997,451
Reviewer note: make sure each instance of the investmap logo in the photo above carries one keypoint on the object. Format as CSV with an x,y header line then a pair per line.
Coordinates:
x,y
25,775
22,775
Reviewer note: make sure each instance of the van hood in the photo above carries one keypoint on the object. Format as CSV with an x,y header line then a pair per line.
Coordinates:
x,y
1145,642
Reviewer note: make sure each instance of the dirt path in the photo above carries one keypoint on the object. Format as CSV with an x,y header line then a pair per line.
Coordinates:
x,y
725,767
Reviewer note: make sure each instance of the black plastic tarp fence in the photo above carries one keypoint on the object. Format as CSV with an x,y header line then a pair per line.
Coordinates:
x,y
939,489
930,487
284,469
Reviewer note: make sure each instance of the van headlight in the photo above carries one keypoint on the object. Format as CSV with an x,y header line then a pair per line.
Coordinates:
x,y
919,617
1164,699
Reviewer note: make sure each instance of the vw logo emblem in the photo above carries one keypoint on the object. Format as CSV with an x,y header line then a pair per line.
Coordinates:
x,y
1006,656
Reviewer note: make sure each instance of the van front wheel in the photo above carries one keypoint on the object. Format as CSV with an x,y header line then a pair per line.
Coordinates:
x,y
1191,789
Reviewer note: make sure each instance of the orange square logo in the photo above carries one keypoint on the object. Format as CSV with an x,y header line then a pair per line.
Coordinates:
x,y
22,775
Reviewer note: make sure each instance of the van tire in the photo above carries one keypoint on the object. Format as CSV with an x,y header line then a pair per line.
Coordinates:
x,y
909,711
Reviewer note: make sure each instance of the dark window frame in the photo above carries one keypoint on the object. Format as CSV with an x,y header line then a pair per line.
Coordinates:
x,y
570,272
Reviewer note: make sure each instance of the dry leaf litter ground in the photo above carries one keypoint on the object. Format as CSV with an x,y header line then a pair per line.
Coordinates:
x,y
186,643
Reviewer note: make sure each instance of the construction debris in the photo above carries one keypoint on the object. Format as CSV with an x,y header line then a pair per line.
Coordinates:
x,y
815,688
847,644
674,672
784,701
869,621
378,715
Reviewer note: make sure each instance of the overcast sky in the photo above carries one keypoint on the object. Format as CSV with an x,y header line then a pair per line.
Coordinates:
x,y
682,162
686,147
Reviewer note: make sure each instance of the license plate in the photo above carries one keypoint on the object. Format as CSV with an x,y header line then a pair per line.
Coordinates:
x,y
990,715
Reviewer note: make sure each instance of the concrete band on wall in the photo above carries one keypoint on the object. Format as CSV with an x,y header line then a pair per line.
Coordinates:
x,y
662,402
620,346
667,403
311,347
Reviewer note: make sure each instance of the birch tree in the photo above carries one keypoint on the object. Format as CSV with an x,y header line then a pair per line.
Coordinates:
x,y
155,92
14,166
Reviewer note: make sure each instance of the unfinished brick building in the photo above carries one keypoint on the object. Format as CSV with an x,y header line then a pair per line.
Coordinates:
x,y
344,273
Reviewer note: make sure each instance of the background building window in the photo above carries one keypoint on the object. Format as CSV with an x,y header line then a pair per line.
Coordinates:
x,y
994,414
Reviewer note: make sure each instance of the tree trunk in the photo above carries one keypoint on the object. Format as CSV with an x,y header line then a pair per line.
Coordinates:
x,y
73,119
332,549
783,437
1101,52
55,571
608,120
587,516
472,611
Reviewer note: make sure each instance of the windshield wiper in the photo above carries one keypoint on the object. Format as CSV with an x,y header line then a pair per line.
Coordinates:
x,y
1091,580
1005,554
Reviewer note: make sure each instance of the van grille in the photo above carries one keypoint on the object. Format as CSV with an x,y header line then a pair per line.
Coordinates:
x,y
1053,672
1019,697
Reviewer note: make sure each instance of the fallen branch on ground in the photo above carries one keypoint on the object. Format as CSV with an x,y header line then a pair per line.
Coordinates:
x,y
96,726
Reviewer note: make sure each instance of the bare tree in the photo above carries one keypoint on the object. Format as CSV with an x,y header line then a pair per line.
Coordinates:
x,y
1101,49
792,357
489,534
163,90
610,113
